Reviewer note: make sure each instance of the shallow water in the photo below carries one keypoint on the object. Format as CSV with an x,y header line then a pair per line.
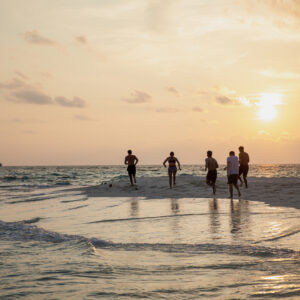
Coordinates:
x,y
42,177
57,243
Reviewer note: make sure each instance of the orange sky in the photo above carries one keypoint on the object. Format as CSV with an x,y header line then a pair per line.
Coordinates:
x,y
83,81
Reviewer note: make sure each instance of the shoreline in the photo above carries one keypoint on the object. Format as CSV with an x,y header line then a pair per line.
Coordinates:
x,y
282,192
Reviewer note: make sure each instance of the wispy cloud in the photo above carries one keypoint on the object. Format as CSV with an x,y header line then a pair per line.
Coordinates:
x,y
224,100
173,90
198,109
279,75
138,97
82,118
167,110
34,37
281,13
81,39
19,91
15,83
32,96
76,102
20,74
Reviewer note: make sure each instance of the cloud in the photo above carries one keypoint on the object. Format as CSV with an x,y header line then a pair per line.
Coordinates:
x,y
32,96
76,102
279,75
159,14
167,110
281,13
19,91
221,99
198,109
14,84
28,132
34,37
81,39
20,74
245,101
263,132
82,118
138,97
173,90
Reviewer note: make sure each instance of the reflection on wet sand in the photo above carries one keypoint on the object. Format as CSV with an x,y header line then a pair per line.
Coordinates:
x,y
134,207
174,222
214,217
239,218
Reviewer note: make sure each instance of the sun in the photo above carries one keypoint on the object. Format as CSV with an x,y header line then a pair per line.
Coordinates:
x,y
267,110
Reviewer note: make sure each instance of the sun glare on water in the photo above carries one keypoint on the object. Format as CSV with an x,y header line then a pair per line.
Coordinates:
x,y
267,110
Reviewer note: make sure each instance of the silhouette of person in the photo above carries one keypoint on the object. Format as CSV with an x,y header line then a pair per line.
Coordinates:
x,y
172,169
211,165
233,173
244,165
131,160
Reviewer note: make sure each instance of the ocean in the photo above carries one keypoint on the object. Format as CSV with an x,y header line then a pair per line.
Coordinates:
x,y
59,242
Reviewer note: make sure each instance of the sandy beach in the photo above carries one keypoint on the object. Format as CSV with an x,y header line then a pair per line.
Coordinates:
x,y
273,191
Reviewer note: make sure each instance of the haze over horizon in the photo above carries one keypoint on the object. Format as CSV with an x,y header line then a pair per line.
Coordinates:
x,y
81,82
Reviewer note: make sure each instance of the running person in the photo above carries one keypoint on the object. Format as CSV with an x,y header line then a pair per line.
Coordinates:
x,y
233,173
244,165
211,165
131,160
172,169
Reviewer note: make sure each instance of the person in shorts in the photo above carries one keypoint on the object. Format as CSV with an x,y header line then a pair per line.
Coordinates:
x,y
233,173
244,165
131,160
211,165
172,169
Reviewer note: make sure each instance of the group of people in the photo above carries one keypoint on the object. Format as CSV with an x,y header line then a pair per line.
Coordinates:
x,y
236,166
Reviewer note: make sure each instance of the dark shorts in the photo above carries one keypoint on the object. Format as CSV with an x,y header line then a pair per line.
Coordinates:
x,y
172,169
131,170
211,176
243,170
233,179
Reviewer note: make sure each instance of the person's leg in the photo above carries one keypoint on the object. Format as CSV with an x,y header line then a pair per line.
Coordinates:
x,y
170,179
245,180
214,188
130,177
231,190
174,178
134,178
238,190
240,173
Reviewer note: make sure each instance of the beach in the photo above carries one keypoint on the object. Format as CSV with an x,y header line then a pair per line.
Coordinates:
x,y
84,232
272,191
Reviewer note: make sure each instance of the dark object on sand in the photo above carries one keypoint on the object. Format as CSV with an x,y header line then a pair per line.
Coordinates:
x,y
110,185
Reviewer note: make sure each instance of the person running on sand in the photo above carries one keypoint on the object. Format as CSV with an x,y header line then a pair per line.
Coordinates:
x,y
131,160
233,173
244,165
172,169
211,165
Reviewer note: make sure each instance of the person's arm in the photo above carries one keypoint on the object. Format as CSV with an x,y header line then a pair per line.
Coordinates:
x,y
178,164
206,164
136,160
248,158
126,161
217,166
164,163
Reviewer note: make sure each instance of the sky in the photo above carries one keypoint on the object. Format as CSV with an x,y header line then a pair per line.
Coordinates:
x,y
83,81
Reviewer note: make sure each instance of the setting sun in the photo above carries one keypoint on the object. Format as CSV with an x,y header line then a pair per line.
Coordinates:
x,y
267,106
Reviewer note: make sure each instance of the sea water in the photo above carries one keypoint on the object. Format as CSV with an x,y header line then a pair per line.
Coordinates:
x,y
57,243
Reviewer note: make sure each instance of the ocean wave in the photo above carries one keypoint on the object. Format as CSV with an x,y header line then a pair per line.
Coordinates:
x,y
24,231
